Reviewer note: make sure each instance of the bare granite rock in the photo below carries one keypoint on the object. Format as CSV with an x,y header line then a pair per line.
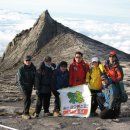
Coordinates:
x,y
48,37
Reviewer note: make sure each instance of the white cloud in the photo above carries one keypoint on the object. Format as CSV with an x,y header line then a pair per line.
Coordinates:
x,y
113,34
12,23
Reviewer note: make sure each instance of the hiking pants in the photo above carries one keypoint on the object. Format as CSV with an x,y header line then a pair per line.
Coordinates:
x,y
56,101
101,101
94,103
43,100
27,100
107,114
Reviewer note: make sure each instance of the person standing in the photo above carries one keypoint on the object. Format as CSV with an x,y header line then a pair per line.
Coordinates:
x,y
115,72
43,80
93,79
78,70
113,68
60,80
26,76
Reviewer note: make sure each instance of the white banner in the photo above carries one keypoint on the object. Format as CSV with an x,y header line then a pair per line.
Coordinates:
x,y
75,101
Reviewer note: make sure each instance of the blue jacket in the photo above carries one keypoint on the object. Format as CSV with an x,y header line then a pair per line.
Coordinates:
x,y
110,92
60,79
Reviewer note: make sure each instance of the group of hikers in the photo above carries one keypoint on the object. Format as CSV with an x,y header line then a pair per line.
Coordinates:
x,y
104,82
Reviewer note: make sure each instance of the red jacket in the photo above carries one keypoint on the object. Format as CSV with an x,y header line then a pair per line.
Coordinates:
x,y
114,72
77,73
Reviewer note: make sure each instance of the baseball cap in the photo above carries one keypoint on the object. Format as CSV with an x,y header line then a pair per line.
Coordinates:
x,y
95,59
112,53
103,77
28,58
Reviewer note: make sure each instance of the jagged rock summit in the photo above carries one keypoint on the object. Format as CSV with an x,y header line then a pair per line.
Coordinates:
x,y
29,41
48,37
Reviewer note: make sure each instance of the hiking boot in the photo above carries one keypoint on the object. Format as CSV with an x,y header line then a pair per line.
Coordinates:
x,y
116,120
94,114
36,115
47,114
99,128
26,116
56,113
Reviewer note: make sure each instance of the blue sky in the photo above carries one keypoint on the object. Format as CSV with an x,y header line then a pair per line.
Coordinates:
x,y
107,21
78,8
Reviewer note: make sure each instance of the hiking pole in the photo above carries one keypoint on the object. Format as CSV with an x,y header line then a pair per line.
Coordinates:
x,y
6,127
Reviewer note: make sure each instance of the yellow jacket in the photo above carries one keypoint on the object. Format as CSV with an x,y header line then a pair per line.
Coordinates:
x,y
93,77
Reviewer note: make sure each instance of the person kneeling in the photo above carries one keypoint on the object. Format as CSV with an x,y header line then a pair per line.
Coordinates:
x,y
108,99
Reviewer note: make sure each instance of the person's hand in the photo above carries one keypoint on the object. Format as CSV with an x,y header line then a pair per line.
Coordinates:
x,y
86,82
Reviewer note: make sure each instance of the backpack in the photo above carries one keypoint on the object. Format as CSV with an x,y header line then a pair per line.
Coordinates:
x,y
102,70
17,80
83,66
123,94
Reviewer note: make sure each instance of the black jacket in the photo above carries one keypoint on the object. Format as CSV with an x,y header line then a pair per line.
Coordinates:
x,y
43,80
26,76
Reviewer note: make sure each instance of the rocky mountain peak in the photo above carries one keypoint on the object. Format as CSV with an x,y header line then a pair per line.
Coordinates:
x,y
48,37
45,17
30,41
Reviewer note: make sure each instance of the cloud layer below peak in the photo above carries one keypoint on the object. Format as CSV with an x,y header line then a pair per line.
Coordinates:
x,y
113,34
116,35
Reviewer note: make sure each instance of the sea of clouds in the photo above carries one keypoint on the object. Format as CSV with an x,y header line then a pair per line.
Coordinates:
x,y
12,23
114,34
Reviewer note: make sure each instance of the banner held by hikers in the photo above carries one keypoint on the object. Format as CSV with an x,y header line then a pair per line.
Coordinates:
x,y
75,101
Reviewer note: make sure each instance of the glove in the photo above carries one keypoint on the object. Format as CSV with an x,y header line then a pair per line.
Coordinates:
x,y
37,92
55,93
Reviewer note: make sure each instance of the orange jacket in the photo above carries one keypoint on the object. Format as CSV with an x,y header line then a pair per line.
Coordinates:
x,y
77,73
114,72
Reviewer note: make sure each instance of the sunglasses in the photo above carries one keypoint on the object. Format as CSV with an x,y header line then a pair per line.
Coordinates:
x,y
78,57
63,66
28,60
94,62
111,56
103,79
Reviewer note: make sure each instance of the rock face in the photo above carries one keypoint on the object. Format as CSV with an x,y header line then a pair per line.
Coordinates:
x,y
29,41
48,37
